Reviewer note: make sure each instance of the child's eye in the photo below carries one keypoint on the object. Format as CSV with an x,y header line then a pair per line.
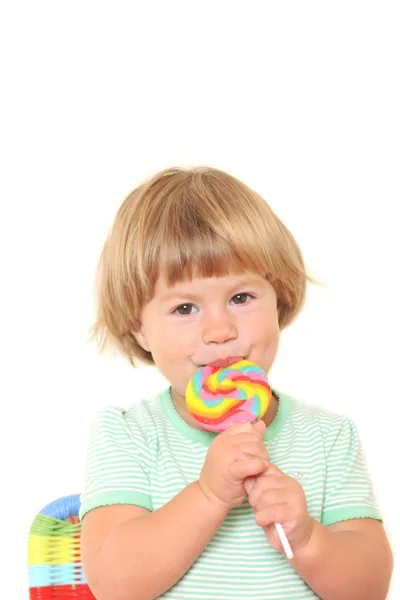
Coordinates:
x,y
241,298
184,309
189,309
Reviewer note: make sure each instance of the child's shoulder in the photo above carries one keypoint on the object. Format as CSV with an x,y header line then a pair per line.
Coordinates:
x,y
308,413
320,426
141,415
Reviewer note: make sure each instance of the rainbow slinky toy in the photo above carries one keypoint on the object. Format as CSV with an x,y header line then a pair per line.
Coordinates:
x,y
218,397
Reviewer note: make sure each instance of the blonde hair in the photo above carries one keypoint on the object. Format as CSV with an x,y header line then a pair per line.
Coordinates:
x,y
184,223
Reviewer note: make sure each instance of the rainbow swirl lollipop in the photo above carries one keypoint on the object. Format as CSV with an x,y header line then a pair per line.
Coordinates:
x,y
219,397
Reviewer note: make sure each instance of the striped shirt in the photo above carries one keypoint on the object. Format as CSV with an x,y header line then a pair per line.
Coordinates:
x,y
146,454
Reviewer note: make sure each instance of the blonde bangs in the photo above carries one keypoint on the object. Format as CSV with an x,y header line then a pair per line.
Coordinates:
x,y
186,223
194,248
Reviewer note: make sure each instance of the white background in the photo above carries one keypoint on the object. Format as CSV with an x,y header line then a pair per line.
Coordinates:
x,y
299,99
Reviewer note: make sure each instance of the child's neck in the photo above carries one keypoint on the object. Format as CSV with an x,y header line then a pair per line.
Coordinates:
x,y
181,409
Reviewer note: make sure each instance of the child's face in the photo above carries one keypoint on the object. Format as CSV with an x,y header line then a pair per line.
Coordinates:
x,y
197,322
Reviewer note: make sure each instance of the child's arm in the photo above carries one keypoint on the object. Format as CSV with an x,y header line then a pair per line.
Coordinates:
x,y
128,552
350,560
347,555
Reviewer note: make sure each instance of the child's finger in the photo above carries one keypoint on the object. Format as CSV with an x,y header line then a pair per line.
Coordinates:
x,y
239,428
260,427
248,484
241,469
248,436
253,449
269,498
265,483
274,471
276,513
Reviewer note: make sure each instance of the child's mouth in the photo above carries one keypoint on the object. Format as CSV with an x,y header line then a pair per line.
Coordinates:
x,y
225,362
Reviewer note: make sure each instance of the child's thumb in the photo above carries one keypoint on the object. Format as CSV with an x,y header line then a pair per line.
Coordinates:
x,y
260,426
248,484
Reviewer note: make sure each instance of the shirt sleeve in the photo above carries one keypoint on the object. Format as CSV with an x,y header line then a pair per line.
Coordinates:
x,y
115,467
348,492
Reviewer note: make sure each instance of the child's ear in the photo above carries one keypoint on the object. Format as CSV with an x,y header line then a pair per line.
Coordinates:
x,y
140,336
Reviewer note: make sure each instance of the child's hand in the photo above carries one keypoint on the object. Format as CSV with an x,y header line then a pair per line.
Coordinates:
x,y
278,498
237,453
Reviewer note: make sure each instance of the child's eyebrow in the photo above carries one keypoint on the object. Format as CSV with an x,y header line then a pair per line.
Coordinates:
x,y
175,294
179,294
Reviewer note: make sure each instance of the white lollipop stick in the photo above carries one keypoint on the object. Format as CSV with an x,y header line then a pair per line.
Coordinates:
x,y
281,533
279,529
284,541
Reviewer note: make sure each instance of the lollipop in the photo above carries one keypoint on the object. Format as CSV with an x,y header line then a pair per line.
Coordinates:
x,y
220,396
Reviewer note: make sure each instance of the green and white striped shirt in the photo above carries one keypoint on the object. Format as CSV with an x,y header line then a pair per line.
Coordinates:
x,y
146,454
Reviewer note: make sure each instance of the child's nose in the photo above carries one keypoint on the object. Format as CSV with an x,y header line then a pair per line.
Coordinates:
x,y
218,328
